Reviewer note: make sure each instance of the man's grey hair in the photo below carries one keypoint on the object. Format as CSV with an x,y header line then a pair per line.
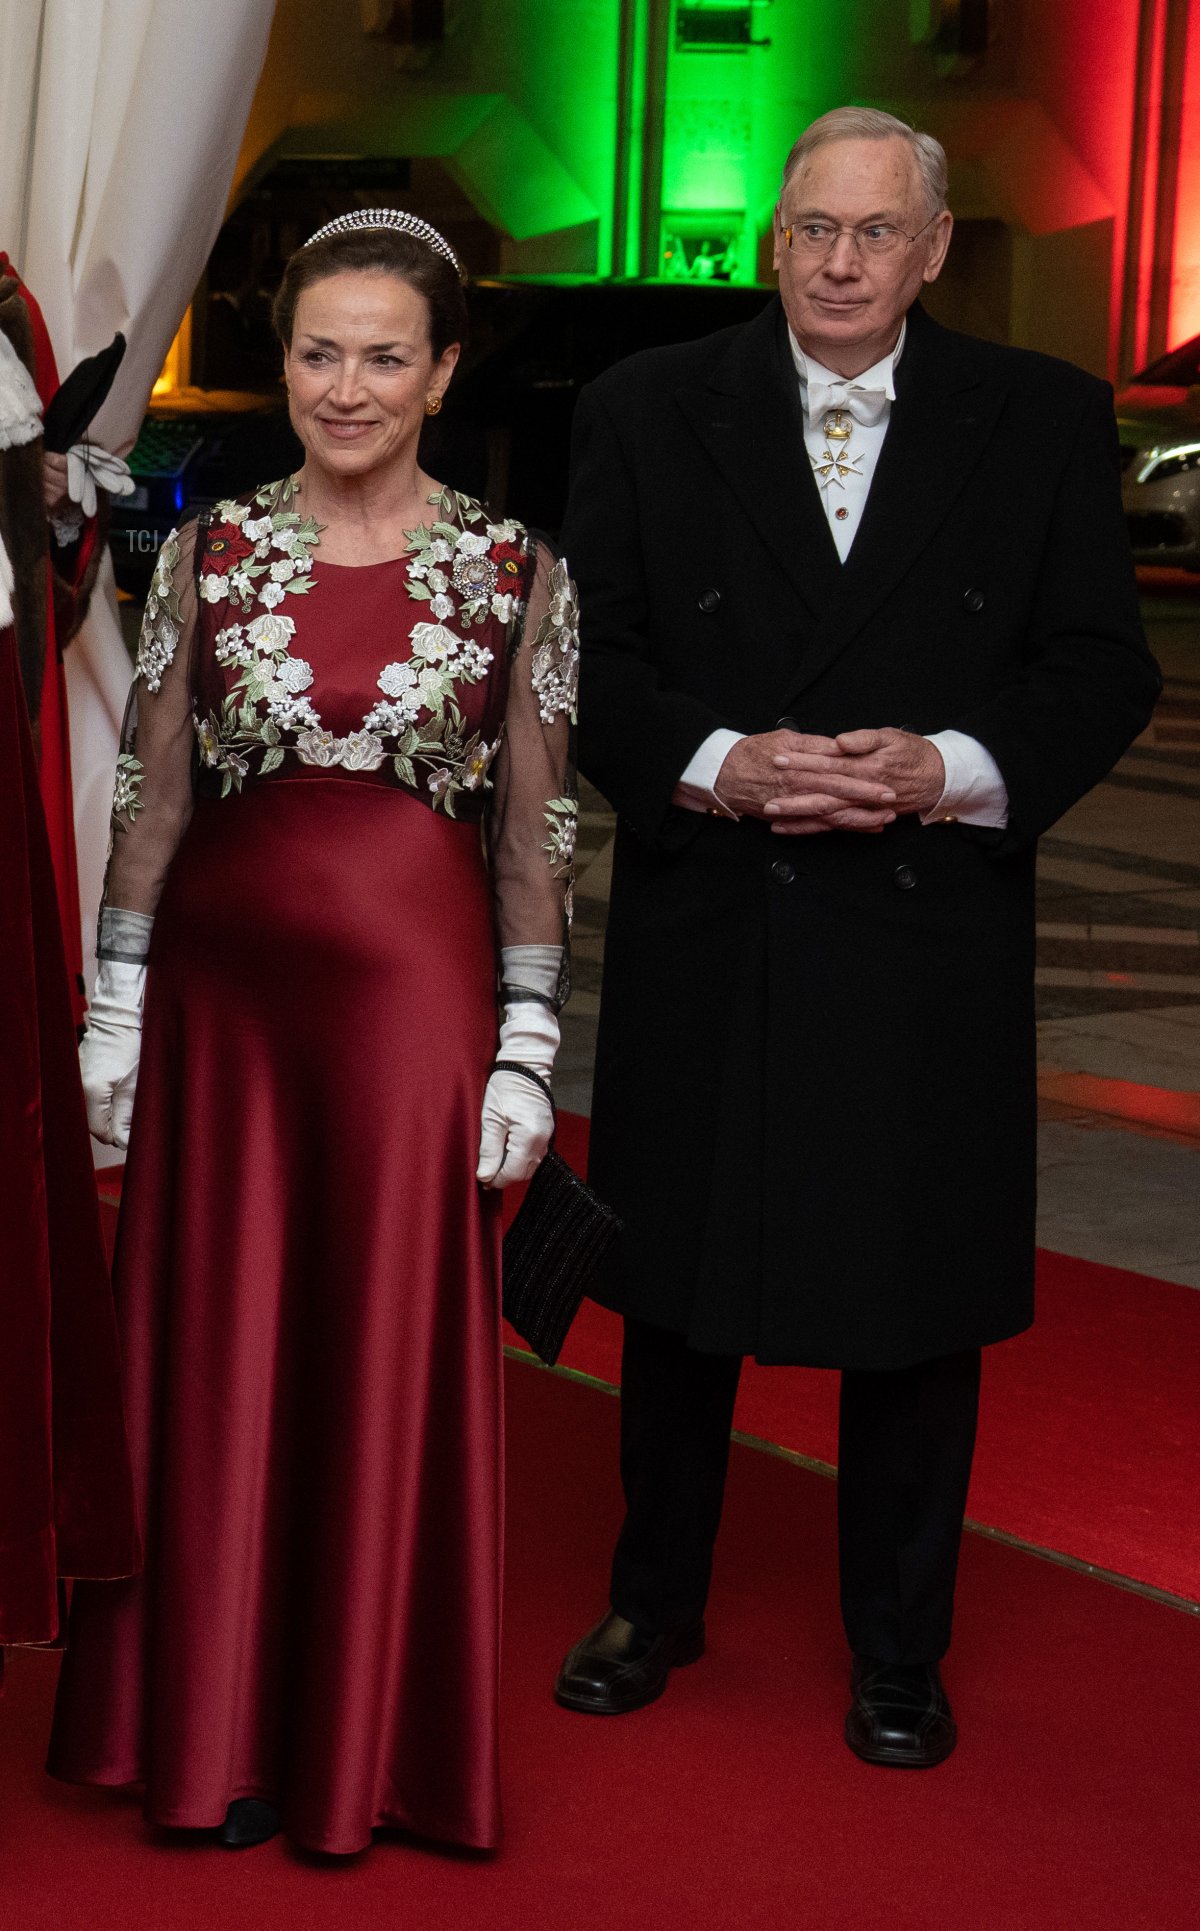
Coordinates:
x,y
872,124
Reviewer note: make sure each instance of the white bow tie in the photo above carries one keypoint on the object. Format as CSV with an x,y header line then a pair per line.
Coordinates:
x,y
865,403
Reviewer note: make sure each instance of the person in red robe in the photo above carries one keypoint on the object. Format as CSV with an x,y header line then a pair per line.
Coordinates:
x,y
54,582
66,1500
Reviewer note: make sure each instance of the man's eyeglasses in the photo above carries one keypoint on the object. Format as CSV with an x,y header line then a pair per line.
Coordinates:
x,y
871,238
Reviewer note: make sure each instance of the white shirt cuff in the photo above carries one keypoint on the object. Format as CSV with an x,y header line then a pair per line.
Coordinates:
x,y
974,792
695,788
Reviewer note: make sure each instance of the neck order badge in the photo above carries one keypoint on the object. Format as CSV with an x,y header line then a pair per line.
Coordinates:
x,y
835,462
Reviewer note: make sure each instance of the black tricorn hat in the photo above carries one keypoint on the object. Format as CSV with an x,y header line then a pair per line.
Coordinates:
x,y
77,401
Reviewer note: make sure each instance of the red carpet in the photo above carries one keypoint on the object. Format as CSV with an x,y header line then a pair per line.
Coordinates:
x,y
1088,1440
732,1805
1088,1437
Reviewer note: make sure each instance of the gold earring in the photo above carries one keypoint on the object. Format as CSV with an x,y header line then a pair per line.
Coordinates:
x,y
432,405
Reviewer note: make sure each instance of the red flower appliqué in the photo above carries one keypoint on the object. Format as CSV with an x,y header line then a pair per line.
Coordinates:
x,y
509,559
227,547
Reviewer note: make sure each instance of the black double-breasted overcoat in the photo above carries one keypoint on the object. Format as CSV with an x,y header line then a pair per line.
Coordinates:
x,y
815,1099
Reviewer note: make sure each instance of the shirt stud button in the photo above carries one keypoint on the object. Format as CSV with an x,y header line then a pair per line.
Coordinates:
x,y
842,514
782,872
709,599
973,601
904,878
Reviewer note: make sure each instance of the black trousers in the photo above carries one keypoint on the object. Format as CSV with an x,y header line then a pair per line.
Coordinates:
x,y
904,1460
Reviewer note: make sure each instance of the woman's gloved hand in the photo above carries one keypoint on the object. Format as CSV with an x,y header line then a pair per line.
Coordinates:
x,y
108,1055
518,1120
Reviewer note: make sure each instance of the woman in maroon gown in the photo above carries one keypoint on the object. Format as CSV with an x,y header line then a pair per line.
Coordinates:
x,y
378,679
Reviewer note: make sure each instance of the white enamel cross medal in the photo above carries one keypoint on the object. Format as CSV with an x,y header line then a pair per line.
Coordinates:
x,y
835,463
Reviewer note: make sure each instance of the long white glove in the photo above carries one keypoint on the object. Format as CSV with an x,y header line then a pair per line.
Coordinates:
x,y
108,1055
518,1121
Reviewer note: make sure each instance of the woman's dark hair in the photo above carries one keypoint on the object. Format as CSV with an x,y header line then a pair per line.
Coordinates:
x,y
385,251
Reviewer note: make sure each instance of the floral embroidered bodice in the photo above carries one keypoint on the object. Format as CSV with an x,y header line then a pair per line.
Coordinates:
x,y
474,576
467,682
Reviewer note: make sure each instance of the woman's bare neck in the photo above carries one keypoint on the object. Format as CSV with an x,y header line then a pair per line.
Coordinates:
x,y
364,518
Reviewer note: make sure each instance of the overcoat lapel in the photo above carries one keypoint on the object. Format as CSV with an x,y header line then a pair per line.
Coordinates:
x,y
749,420
947,405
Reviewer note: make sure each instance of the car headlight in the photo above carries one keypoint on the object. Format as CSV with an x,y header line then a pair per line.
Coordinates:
x,y
1160,464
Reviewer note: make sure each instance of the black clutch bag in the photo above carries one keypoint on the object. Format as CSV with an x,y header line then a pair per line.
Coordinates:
x,y
553,1248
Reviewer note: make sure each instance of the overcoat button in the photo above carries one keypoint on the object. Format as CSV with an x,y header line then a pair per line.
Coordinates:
x,y
973,601
709,600
905,877
782,872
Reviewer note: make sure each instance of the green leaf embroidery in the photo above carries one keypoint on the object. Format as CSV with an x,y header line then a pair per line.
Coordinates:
x,y
435,742
127,799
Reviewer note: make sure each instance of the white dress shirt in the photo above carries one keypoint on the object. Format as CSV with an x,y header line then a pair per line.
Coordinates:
x,y
974,791
867,399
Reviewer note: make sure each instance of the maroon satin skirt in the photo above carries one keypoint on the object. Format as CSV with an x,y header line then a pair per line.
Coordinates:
x,y
307,1288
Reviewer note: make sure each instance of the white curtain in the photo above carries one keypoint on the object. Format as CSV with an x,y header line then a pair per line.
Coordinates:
x,y
120,126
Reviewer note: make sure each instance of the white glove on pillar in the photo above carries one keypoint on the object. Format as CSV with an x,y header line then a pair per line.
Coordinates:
x,y
111,1046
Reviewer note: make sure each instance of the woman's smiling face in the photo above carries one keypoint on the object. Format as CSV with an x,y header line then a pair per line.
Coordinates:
x,y
359,369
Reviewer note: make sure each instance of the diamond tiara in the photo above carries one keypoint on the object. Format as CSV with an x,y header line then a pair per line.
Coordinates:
x,y
396,218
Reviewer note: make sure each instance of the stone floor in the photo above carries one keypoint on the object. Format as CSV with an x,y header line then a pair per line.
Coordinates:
x,y
1118,982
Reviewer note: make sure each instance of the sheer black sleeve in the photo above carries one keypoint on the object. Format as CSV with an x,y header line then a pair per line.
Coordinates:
x,y
152,798
532,817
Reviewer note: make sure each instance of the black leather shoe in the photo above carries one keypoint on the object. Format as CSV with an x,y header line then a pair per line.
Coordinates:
x,y
249,1820
900,1714
618,1667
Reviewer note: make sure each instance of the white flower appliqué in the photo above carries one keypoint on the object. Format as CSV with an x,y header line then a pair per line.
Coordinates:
x,y
360,751
554,667
434,642
163,620
271,633
418,724
230,648
396,678
317,747
295,675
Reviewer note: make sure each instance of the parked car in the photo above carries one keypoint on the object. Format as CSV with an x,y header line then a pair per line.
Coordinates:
x,y
1159,420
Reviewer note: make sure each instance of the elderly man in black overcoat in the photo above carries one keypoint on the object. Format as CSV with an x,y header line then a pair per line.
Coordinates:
x,y
859,624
